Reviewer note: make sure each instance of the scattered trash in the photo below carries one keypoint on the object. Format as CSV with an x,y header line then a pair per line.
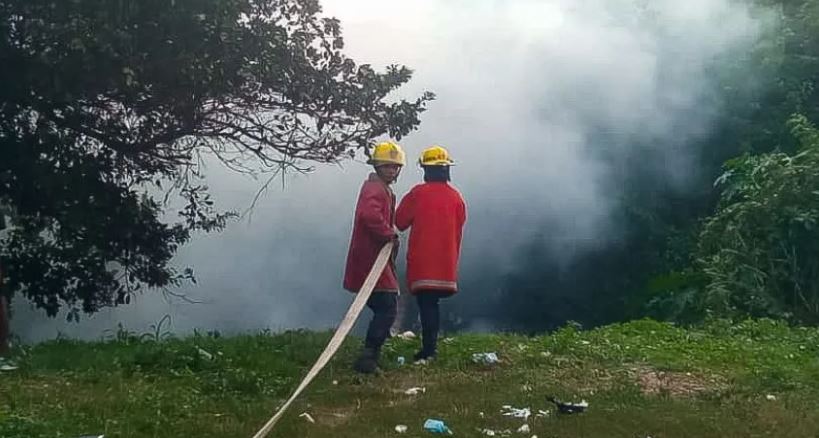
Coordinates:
x,y
7,367
542,413
415,391
771,397
307,417
481,414
436,426
204,353
545,353
335,382
524,429
401,428
569,408
421,362
526,388
401,360
490,432
485,358
406,335
509,411
447,340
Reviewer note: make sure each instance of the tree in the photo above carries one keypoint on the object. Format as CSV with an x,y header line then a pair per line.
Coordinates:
x,y
109,108
758,251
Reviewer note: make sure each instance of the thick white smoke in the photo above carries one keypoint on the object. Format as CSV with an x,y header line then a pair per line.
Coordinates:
x,y
540,102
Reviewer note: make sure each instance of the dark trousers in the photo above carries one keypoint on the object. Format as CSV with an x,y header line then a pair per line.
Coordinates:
x,y
429,310
384,306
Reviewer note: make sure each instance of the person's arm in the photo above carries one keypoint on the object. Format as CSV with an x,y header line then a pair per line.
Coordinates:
x,y
462,212
406,211
372,215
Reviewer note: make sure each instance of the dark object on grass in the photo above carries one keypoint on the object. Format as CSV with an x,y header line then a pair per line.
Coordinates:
x,y
568,408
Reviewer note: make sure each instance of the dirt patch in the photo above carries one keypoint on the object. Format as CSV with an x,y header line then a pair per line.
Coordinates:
x,y
677,384
582,381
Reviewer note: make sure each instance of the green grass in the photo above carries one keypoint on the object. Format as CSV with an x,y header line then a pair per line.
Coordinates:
x,y
641,379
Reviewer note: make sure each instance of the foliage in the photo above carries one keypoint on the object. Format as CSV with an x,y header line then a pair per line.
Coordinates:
x,y
759,249
111,109
661,272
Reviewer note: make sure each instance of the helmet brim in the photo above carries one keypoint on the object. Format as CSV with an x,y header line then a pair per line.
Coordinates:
x,y
377,163
442,164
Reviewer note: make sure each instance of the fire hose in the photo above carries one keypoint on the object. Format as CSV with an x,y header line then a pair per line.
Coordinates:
x,y
338,337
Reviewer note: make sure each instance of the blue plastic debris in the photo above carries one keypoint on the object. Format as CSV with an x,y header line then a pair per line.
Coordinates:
x,y
436,426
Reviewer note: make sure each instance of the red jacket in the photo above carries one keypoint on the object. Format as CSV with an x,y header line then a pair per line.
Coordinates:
x,y
437,213
373,227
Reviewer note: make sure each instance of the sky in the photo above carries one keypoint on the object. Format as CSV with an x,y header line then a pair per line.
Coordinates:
x,y
541,103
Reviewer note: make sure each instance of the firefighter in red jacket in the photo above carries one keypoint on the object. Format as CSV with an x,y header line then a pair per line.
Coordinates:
x,y
373,227
436,213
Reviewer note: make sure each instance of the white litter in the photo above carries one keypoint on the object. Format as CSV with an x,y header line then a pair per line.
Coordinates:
x,y
524,429
204,353
415,391
401,428
488,432
509,411
771,397
485,358
335,382
307,417
542,413
406,335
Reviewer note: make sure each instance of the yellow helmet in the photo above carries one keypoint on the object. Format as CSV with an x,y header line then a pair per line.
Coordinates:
x,y
387,153
435,156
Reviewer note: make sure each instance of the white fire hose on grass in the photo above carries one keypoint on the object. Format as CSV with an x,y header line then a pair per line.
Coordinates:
x,y
338,337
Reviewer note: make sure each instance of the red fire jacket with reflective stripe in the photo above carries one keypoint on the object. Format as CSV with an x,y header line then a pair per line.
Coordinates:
x,y
436,212
373,227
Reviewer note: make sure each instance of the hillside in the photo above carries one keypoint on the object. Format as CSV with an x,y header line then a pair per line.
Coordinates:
x,y
756,378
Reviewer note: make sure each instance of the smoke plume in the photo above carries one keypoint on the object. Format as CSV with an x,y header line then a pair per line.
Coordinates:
x,y
543,104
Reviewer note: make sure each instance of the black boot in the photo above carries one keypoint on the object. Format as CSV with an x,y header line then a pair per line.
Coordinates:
x,y
424,355
367,363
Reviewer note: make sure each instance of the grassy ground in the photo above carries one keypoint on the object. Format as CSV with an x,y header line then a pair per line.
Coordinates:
x,y
641,379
